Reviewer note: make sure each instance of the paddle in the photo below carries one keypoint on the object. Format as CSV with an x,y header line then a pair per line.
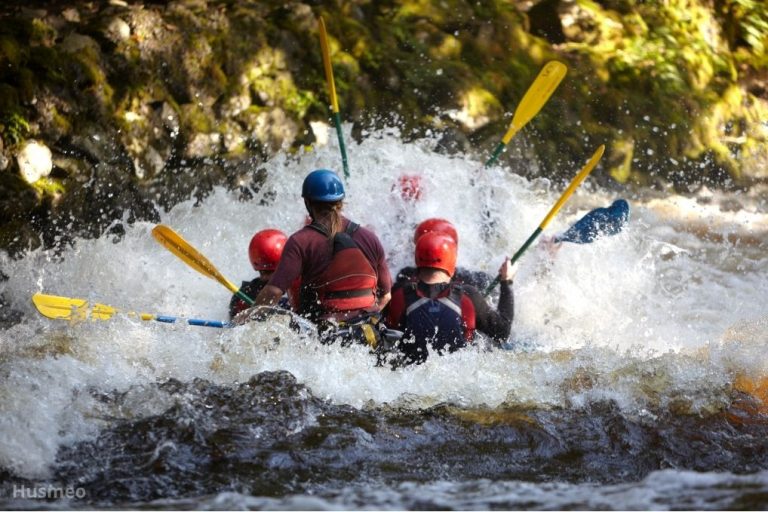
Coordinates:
x,y
332,92
534,99
581,176
189,255
65,308
598,222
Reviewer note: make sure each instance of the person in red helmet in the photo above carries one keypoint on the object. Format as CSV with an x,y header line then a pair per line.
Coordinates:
x,y
436,225
462,275
264,251
344,276
439,315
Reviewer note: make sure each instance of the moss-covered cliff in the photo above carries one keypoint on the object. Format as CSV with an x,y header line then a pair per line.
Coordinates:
x,y
143,102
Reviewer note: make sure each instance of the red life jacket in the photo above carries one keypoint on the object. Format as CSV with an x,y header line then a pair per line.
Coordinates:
x,y
347,284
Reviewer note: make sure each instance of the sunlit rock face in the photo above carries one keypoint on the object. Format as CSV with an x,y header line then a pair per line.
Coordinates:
x,y
176,98
34,160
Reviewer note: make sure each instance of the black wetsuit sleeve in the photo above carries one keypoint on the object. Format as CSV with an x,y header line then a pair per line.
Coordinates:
x,y
496,324
251,289
476,278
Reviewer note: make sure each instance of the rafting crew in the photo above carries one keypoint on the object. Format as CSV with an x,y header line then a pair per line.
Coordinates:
x,y
345,280
439,315
264,253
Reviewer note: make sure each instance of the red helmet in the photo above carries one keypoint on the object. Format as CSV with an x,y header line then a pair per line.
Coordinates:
x,y
265,249
437,250
436,225
410,187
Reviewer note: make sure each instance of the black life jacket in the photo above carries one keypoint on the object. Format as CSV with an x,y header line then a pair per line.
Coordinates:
x,y
252,289
348,283
446,322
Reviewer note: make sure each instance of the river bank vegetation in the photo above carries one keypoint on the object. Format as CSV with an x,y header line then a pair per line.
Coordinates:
x,y
112,109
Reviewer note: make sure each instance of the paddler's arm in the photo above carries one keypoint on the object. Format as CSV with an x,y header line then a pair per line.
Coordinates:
x,y
268,296
383,277
287,271
384,300
496,324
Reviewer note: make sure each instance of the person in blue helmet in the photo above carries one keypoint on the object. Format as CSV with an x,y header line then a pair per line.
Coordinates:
x,y
345,280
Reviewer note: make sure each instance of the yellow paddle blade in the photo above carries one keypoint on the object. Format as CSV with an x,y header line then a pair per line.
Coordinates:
x,y
537,95
66,308
60,308
189,255
328,67
574,185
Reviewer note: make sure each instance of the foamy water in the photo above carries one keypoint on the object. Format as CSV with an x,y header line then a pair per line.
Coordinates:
x,y
639,318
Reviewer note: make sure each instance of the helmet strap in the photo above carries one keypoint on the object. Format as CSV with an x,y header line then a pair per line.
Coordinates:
x,y
309,209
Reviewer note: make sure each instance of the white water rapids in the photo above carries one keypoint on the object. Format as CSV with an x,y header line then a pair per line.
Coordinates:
x,y
672,307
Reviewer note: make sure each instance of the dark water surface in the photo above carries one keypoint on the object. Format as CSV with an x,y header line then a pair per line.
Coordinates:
x,y
271,438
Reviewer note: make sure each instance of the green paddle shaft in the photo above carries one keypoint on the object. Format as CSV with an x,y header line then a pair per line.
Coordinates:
x,y
245,297
342,147
495,155
514,258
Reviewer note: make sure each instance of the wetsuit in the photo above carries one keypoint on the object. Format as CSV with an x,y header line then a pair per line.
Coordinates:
x,y
476,278
443,317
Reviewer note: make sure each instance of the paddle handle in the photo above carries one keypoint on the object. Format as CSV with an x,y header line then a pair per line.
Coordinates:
x,y
245,297
166,319
342,147
495,155
514,258
191,321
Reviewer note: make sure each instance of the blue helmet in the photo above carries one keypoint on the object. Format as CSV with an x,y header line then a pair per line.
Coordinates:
x,y
323,186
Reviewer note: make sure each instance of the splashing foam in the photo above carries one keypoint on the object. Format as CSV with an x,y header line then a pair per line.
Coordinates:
x,y
624,318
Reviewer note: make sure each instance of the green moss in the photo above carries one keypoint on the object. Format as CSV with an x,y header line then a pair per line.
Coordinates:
x,y
61,123
480,102
10,53
49,186
622,151
421,9
448,47
42,33
195,120
14,128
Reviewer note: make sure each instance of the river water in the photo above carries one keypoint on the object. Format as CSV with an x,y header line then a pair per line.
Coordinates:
x,y
633,378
